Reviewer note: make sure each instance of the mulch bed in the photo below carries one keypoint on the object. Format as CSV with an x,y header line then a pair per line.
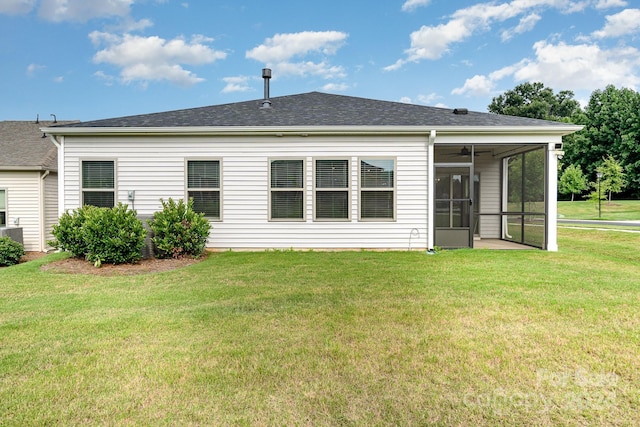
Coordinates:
x,y
80,266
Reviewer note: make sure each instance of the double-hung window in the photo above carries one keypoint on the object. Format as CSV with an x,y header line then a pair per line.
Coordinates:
x,y
332,200
377,189
203,186
3,208
98,183
286,189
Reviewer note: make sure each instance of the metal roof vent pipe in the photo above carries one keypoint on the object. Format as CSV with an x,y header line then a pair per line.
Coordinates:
x,y
460,111
266,75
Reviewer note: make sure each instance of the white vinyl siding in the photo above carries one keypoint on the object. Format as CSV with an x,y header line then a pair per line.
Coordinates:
x,y
23,203
155,168
203,186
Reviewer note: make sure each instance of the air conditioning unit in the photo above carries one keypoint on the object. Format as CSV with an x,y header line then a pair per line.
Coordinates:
x,y
15,233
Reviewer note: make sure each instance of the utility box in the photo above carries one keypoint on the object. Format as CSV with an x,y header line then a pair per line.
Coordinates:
x,y
148,250
15,233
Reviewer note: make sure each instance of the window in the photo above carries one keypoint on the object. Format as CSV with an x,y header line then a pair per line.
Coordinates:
x,y
377,183
3,208
332,189
286,189
203,186
98,183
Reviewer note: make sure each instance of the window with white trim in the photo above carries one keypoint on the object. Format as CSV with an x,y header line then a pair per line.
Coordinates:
x,y
286,189
332,200
98,183
377,189
203,186
3,208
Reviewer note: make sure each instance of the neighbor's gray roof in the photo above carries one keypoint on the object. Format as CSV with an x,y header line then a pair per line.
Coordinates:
x,y
22,146
314,109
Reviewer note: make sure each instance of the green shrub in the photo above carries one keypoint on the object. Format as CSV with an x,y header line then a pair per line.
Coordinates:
x,y
69,234
114,236
179,230
10,251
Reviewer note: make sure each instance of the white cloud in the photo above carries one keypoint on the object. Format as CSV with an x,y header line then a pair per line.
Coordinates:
x,y
335,87
58,79
606,4
153,58
580,67
526,24
433,42
411,5
422,99
236,84
16,7
476,86
82,10
279,53
620,24
32,69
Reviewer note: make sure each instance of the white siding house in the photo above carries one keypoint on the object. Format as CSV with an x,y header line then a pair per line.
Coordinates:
x,y
314,171
28,182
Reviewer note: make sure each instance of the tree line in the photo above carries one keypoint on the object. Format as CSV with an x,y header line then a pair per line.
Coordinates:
x,y
604,157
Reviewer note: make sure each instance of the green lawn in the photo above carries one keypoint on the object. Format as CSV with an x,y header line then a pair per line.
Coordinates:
x,y
616,210
466,337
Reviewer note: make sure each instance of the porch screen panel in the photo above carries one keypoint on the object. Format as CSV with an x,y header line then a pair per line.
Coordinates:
x,y
3,208
203,186
526,198
377,189
98,183
332,189
286,191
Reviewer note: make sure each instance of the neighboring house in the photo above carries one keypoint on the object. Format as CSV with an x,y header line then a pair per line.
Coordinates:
x,y
28,181
325,171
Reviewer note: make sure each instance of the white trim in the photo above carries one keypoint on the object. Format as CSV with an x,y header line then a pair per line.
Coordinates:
x,y
431,203
552,198
316,130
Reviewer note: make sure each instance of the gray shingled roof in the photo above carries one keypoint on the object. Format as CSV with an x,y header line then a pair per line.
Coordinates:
x,y
315,109
22,146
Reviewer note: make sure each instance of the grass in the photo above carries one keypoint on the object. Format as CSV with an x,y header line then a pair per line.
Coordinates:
x,y
466,337
616,210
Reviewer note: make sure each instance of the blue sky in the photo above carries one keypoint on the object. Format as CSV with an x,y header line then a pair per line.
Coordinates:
x,y
88,60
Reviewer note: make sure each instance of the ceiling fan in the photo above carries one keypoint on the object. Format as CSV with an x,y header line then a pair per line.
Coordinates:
x,y
465,152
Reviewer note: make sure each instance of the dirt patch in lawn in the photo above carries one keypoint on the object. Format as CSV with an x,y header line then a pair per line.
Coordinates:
x,y
80,266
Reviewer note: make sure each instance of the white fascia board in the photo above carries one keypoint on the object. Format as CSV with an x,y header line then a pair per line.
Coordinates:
x,y
316,130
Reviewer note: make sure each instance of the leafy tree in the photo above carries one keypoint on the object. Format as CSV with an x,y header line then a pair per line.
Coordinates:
x,y
612,120
536,101
572,181
613,176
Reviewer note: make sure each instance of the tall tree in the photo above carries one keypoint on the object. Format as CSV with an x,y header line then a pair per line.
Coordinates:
x,y
536,101
612,120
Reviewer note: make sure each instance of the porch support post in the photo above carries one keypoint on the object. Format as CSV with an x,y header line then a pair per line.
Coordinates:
x,y
431,202
552,197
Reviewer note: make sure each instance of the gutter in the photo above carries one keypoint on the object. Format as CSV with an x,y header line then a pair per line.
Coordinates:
x,y
313,130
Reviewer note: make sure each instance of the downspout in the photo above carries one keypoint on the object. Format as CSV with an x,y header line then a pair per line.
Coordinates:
x,y
431,220
43,218
61,175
